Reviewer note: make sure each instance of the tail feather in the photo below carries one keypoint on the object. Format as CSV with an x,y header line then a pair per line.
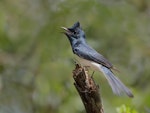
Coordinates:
x,y
117,86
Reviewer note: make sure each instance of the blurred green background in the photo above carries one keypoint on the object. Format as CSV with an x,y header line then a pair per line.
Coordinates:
x,y
36,59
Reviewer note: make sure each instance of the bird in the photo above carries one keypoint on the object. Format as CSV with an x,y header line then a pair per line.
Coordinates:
x,y
89,57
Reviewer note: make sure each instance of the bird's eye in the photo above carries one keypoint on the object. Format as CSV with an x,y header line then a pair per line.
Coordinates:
x,y
74,32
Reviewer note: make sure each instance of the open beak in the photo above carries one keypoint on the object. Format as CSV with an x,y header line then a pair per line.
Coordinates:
x,y
64,28
67,31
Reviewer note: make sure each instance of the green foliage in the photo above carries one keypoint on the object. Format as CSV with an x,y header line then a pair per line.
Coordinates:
x,y
125,109
36,60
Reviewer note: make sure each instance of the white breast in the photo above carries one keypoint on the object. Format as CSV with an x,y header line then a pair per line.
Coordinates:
x,y
94,66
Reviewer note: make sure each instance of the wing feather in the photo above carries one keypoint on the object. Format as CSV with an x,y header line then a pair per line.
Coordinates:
x,y
88,53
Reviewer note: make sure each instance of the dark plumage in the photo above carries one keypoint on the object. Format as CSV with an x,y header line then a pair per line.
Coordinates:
x,y
90,57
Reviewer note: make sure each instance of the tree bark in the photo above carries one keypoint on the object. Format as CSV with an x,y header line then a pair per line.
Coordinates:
x,y
88,90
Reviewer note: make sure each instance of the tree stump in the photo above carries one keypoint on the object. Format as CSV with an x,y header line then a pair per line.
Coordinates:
x,y
88,90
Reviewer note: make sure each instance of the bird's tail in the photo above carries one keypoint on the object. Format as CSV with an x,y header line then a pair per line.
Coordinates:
x,y
117,86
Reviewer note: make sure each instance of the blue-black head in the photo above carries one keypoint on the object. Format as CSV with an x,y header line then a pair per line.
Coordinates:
x,y
74,33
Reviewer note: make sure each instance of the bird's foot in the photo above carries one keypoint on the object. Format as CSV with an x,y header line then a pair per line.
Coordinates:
x,y
86,68
92,74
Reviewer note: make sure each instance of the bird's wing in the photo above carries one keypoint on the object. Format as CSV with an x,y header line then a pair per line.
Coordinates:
x,y
86,52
